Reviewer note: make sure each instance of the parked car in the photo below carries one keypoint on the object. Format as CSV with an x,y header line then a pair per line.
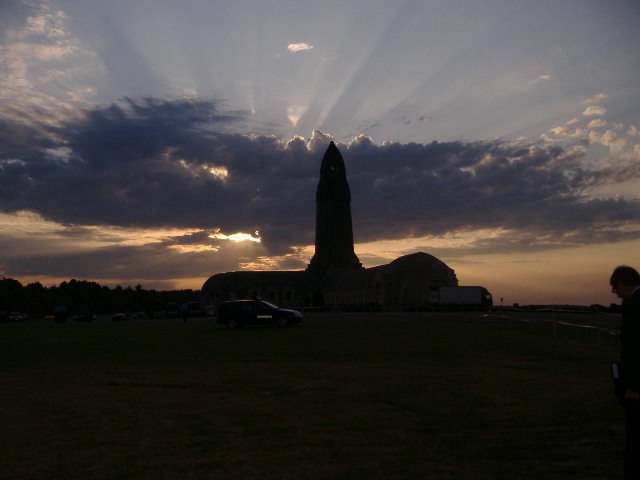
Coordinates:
x,y
85,315
16,317
238,313
119,317
60,313
172,310
194,310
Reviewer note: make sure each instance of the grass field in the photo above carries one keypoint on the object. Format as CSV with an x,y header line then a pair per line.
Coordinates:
x,y
361,398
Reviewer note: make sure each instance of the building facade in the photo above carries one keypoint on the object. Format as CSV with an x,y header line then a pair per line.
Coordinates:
x,y
335,275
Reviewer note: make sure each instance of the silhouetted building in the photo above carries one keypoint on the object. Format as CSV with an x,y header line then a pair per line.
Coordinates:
x,y
334,231
335,275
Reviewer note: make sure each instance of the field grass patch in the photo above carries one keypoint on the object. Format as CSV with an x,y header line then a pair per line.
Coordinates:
x,y
386,399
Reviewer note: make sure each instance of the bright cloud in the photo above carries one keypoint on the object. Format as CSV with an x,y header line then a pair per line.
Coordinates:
x,y
299,47
596,98
609,139
294,113
594,110
559,131
597,123
45,65
540,78
236,237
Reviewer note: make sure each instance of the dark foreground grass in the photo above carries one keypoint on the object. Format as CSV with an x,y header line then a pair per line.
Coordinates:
x,y
329,399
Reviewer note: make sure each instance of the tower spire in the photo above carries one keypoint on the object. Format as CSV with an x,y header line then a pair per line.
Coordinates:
x,y
334,230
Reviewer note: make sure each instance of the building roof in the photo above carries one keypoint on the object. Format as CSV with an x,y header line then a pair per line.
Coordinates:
x,y
256,277
418,263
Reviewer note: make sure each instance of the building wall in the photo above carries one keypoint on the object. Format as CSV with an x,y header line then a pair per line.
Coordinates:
x,y
285,289
407,281
335,275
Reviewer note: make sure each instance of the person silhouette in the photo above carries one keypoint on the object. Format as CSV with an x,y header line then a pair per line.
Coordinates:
x,y
625,283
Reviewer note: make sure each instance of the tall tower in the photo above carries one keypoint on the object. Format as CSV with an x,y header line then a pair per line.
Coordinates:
x,y
334,231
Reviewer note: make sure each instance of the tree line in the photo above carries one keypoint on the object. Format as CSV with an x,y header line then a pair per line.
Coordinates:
x,y
36,299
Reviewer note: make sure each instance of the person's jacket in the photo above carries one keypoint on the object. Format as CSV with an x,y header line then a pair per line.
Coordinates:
x,y
630,342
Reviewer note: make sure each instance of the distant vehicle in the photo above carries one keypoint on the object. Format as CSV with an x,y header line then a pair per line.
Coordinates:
x,y
464,297
193,309
138,315
238,313
60,313
210,310
16,317
119,317
84,315
172,310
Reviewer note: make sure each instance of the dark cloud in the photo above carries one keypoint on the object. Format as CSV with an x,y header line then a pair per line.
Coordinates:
x,y
157,163
154,163
441,187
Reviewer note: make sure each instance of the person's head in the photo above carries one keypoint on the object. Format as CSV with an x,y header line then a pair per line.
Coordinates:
x,y
624,281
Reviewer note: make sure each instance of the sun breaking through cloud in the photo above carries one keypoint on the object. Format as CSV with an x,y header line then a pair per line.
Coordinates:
x,y
236,237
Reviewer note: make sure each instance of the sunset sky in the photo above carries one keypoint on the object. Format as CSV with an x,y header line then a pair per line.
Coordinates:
x,y
158,142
